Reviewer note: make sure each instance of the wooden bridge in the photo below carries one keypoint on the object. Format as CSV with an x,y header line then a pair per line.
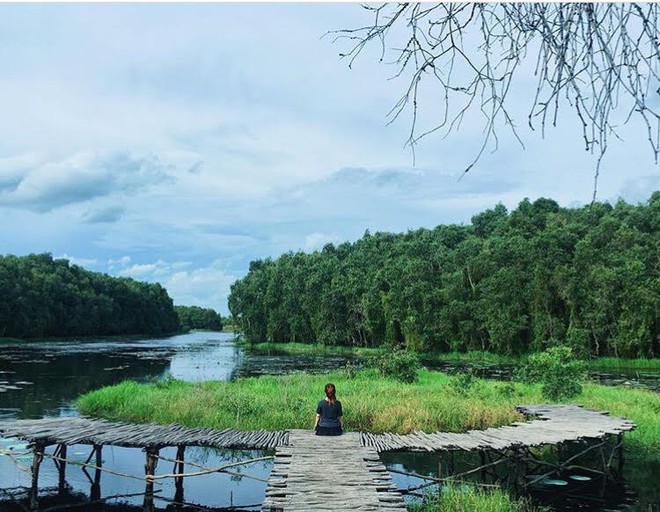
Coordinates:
x,y
310,473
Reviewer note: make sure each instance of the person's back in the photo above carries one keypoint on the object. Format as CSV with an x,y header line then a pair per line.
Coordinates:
x,y
329,414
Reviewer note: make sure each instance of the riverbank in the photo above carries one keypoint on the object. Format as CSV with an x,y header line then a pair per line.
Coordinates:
x,y
475,356
91,337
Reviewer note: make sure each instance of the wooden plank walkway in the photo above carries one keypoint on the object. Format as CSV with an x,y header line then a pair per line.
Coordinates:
x,y
331,474
82,430
554,424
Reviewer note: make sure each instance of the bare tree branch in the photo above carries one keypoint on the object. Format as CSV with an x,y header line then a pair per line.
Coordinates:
x,y
591,58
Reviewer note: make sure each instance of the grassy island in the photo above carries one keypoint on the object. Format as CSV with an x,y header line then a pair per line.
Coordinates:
x,y
373,403
435,402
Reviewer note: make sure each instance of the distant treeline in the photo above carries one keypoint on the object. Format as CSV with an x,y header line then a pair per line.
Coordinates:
x,y
40,297
194,317
509,283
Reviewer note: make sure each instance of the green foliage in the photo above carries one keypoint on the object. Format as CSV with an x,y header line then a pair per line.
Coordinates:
x,y
455,497
463,382
399,364
194,317
510,283
561,374
40,297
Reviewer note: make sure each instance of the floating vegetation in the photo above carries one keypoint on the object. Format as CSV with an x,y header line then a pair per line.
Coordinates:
x,y
553,481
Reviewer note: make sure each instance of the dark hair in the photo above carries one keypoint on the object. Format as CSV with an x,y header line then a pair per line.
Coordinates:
x,y
330,391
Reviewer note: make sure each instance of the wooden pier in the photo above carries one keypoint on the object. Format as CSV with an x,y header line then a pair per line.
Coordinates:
x,y
553,424
331,474
315,473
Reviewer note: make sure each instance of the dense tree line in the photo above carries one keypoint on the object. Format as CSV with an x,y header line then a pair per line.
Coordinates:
x,y
41,296
194,317
510,283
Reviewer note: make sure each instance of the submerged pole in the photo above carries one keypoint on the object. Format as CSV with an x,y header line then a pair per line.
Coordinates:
x,y
95,492
61,468
482,457
178,482
149,470
620,457
37,457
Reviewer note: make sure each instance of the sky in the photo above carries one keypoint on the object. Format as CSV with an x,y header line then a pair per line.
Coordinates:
x,y
175,143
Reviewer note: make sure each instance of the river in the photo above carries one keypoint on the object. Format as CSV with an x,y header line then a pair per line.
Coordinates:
x,y
43,379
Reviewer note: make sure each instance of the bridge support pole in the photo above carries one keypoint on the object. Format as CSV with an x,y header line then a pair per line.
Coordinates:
x,y
482,457
619,453
61,468
179,469
150,470
36,464
95,492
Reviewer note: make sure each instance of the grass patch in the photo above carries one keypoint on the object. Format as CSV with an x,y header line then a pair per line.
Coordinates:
x,y
467,498
436,402
613,363
308,348
476,356
372,402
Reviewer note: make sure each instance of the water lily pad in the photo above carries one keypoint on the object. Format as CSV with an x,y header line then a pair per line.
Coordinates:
x,y
580,478
553,481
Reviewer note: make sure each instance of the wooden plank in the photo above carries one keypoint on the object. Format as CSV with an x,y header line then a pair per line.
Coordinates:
x,y
330,474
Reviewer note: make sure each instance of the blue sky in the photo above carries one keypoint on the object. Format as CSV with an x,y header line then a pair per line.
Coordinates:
x,y
177,142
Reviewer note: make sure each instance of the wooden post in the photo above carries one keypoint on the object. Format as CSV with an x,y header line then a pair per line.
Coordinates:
x,y
61,468
36,463
179,469
520,468
620,459
150,470
95,492
482,456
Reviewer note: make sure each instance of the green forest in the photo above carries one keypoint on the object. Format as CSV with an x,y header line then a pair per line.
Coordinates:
x,y
41,296
195,317
509,282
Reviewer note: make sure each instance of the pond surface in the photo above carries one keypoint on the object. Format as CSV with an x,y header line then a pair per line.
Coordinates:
x,y
43,380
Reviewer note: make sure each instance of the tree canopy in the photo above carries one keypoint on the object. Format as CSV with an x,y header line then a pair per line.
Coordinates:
x,y
41,296
195,317
539,276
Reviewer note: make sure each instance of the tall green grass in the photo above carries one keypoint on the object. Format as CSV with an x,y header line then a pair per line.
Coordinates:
x,y
466,498
436,402
373,403
606,363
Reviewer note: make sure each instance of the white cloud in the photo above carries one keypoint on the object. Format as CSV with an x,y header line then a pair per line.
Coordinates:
x,y
82,177
83,262
315,241
206,287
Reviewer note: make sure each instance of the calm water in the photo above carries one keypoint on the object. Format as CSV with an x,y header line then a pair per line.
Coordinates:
x,y
43,379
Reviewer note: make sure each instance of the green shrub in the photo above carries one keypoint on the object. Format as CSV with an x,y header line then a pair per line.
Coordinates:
x,y
400,365
464,381
557,368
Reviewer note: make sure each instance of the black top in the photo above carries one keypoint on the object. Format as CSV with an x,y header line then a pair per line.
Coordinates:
x,y
330,413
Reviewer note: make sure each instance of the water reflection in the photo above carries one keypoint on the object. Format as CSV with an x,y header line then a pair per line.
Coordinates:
x,y
570,490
